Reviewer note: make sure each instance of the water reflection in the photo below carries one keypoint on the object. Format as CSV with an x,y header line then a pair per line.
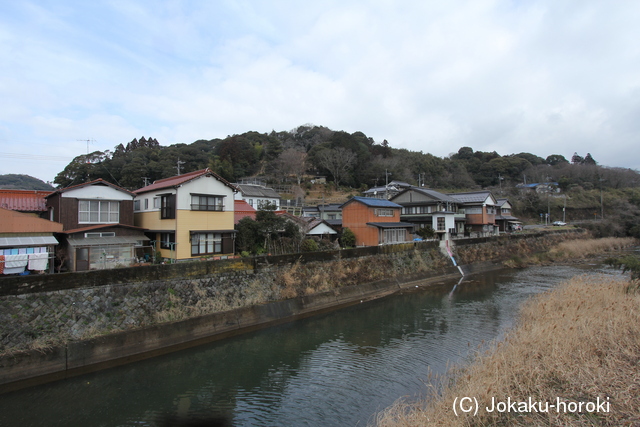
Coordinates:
x,y
338,368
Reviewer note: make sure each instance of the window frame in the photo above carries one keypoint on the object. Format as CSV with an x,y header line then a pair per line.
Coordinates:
x,y
98,211
211,245
212,202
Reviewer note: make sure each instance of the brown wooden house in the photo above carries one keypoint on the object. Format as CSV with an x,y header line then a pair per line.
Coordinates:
x,y
98,232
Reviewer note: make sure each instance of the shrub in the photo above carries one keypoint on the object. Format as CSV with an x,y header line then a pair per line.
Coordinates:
x,y
348,239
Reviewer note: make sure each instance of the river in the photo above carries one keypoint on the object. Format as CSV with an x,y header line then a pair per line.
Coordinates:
x,y
335,369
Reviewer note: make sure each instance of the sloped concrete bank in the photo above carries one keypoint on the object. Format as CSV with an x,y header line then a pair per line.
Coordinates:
x,y
290,288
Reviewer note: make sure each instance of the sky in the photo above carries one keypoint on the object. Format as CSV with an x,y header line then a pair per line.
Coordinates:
x,y
540,76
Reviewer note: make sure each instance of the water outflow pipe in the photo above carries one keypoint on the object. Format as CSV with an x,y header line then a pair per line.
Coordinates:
x,y
452,258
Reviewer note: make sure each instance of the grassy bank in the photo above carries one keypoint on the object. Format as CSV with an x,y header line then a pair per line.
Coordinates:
x,y
577,343
572,251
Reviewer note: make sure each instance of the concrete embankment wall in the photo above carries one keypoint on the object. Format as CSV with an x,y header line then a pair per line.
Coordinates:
x,y
55,326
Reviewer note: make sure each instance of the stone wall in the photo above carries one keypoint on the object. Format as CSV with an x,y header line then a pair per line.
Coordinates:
x,y
55,326
90,304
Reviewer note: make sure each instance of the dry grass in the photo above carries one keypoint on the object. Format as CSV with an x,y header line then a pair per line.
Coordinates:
x,y
571,250
586,248
579,342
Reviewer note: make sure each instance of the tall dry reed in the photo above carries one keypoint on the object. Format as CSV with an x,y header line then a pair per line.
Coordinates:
x,y
577,343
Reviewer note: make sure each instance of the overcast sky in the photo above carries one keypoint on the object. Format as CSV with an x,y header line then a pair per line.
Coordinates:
x,y
545,77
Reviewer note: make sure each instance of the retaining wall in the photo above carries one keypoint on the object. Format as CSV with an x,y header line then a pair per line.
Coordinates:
x,y
85,321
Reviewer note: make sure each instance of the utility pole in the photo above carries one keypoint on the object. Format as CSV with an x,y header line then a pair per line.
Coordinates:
x,y
146,180
386,183
601,200
500,178
179,163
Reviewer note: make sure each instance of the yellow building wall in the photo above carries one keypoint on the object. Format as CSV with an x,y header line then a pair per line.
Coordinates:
x,y
189,220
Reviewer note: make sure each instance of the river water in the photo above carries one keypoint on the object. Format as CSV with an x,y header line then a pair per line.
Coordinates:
x,y
335,369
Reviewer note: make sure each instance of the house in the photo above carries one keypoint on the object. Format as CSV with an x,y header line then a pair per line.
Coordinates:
x,y
329,211
429,208
242,209
316,227
26,242
479,208
504,220
188,216
26,201
258,195
98,228
375,221
386,191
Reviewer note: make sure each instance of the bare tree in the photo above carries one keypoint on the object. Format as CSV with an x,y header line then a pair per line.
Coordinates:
x,y
292,162
338,161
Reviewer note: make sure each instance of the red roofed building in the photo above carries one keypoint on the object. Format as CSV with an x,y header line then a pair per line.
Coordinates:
x,y
25,201
241,210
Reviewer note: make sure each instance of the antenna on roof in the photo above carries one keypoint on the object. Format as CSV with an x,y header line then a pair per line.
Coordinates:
x,y
93,141
179,163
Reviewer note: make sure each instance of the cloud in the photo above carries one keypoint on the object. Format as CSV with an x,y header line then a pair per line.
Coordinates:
x,y
543,77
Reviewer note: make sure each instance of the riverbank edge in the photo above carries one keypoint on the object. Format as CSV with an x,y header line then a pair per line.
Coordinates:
x,y
36,367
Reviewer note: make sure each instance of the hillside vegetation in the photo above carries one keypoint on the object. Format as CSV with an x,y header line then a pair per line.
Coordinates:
x,y
354,162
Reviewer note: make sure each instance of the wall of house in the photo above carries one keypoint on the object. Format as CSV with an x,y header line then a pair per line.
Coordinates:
x,y
355,216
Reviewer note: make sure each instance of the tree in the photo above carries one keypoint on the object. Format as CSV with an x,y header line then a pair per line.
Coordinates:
x,y
576,159
292,162
556,159
348,239
337,161
588,160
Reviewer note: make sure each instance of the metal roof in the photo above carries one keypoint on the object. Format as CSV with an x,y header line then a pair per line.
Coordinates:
x,y
252,190
28,241
24,200
372,202
181,179
391,224
107,241
472,197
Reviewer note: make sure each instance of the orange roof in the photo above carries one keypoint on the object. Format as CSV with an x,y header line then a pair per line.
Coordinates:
x,y
24,200
18,222
181,179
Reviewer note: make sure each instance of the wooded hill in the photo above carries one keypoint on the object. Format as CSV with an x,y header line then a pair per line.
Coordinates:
x,y
352,160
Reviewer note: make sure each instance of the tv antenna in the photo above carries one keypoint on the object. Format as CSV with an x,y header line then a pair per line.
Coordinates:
x,y
179,163
88,141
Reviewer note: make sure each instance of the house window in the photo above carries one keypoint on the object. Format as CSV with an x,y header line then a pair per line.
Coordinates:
x,y
207,203
156,203
473,211
441,225
394,235
146,204
105,234
251,202
206,243
168,206
384,212
98,211
167,240
136,205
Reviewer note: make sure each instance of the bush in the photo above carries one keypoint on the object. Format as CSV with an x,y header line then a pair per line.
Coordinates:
x,y
309,245
348,239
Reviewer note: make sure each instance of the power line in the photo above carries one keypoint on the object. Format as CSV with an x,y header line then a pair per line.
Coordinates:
x,y
35,157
